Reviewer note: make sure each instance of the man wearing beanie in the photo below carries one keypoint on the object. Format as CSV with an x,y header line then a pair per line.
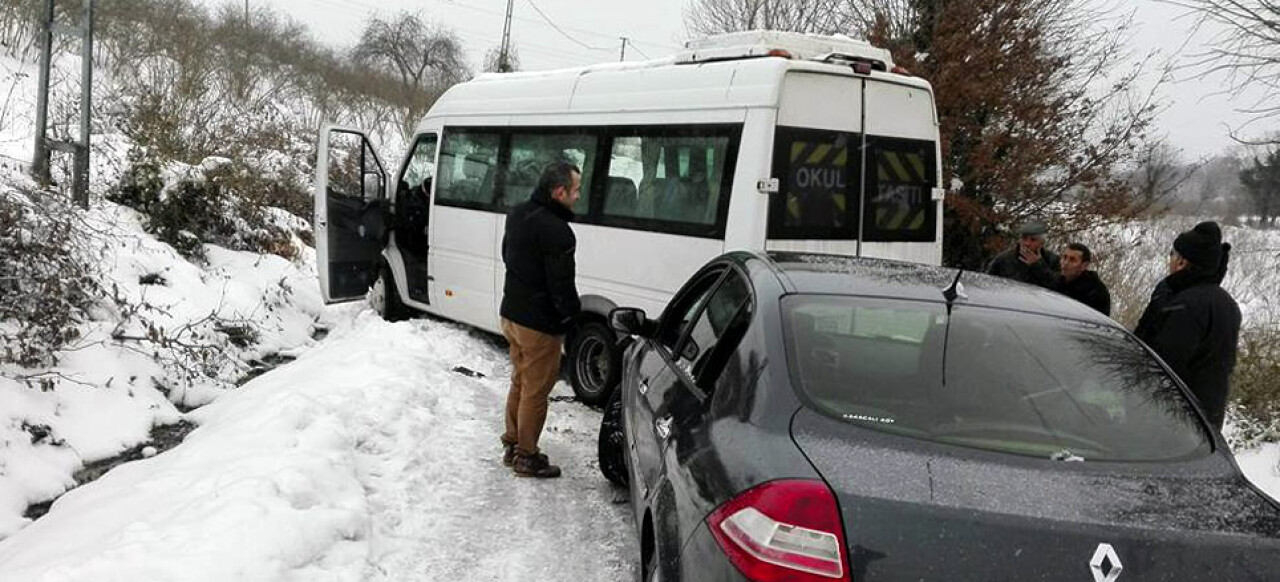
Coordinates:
x,y
1192,322
1028,261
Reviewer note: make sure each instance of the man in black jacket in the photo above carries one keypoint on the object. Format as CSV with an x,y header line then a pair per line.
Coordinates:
x,y
1079,283
1192,322
539,302
1028,261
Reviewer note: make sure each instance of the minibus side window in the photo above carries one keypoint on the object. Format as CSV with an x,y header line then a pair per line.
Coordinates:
x,y
421,166
532,152
468,169
667,178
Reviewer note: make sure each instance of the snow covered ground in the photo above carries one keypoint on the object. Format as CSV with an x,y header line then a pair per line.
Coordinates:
x,y
1262,466
368,458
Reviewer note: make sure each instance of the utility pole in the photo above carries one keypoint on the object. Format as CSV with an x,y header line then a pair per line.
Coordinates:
x,y
623,56
504,64
40,161
246,11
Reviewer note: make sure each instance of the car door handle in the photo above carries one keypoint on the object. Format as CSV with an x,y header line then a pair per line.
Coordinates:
x,y
663,427
644,387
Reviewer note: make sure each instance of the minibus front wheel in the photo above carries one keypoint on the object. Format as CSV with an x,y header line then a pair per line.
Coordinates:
x,y
594,362
386,296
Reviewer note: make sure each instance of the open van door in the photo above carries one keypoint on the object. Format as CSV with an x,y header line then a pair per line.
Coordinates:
x,y
351,213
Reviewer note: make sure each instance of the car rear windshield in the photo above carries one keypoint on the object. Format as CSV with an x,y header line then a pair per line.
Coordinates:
x,y
988,378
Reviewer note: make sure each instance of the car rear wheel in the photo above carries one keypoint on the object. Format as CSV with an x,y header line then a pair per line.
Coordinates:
x,y
610,448
594,363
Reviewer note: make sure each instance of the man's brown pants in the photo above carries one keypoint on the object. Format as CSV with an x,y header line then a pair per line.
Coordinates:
x,y
535,366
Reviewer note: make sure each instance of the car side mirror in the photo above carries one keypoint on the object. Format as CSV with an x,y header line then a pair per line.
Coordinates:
x,y
631,321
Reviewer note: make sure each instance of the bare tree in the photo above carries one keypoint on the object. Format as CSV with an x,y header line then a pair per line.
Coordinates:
x,y
704,17
1247,50
1261,181
427,59
423,55
1159,174
493,60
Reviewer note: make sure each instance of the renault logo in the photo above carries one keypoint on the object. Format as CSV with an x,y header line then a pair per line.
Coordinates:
x,y
1105,564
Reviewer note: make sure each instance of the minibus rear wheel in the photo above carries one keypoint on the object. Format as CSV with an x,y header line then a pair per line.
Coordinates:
x,y
594,362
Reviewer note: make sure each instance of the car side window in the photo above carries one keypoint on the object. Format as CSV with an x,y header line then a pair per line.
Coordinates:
x,y
684,307
724,311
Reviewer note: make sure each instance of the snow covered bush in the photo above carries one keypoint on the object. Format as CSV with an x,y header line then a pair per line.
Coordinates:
x,y
48,279
140,183
1256,384
188,207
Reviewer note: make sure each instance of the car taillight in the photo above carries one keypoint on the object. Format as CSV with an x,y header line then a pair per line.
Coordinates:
x,y
783,530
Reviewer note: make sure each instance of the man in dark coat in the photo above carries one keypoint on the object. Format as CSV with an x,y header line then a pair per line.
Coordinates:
x,y
1192,322
1028,261
539,302
1078,282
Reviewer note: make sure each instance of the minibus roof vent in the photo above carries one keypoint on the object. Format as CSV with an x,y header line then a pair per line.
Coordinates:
x,y
789,45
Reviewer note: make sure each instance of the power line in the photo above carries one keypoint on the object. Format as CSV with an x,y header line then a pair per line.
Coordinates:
x,y
475,35
536,21
366,9
561,31
469,34
556,54
633,45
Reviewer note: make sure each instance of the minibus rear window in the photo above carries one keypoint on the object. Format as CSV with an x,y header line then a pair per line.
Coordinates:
x,y
901,175
818,173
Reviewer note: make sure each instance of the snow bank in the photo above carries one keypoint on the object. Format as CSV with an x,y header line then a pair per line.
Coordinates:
x,y
367,458
1262,466
106,394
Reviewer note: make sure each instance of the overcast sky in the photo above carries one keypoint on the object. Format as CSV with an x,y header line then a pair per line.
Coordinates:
x,y
1197,120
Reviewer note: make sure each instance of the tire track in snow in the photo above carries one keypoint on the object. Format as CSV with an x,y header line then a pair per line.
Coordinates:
x,y
445,508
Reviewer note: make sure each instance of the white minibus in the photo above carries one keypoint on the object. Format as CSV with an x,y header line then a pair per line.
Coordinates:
x,y
756,140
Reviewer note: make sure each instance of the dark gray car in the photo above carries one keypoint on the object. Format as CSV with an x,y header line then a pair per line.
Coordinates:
x,y
807,417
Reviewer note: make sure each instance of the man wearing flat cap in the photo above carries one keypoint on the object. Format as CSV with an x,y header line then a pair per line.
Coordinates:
x,y
1028,261
1192,322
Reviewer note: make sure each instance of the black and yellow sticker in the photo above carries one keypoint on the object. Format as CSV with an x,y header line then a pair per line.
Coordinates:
x,y
818,168
901,200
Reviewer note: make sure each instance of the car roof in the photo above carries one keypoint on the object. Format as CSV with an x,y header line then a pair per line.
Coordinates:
x,y
806,273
